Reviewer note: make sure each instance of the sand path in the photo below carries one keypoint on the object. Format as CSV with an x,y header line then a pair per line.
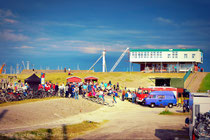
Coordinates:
x,y
194,80
126,121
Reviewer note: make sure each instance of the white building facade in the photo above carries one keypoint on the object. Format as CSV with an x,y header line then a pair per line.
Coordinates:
x,y
169,60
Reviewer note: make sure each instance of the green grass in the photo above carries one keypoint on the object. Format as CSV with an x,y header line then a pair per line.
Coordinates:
x,y
167,112
205,85
62,132
27,101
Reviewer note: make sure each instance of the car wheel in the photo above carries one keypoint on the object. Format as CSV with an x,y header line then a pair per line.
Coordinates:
x,y
170,105
152,105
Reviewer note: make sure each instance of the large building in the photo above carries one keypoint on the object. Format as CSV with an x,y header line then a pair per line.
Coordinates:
x,y
166,60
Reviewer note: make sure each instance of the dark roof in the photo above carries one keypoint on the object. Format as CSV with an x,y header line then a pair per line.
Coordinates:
x,y
33,78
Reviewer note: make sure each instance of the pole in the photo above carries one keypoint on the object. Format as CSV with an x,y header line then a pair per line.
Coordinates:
x,y
104,61
95,62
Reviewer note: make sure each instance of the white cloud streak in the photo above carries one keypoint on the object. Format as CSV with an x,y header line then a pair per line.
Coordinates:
x,y
6,13
163,20
12,21
9,35
24,47
86,46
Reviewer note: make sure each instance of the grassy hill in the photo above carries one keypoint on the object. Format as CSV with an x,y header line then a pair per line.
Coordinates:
x,y
128,79
205,85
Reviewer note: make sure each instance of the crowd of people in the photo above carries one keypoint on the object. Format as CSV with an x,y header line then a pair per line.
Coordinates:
x,y
73,90
85,89
70,90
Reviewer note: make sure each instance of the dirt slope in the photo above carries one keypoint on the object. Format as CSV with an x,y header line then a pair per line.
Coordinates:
x,y
42,112
194,80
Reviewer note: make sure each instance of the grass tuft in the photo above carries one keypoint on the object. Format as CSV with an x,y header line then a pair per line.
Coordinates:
x,y
166,112
63,132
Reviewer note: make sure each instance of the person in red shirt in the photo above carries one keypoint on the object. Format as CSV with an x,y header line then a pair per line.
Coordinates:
x,y
40,87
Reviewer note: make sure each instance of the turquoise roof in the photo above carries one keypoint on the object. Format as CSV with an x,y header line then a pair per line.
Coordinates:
x,y
162,50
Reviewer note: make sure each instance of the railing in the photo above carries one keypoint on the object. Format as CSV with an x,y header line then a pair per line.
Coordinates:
x,y
187,75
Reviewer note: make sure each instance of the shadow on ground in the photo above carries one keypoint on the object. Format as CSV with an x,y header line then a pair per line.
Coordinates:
x,y
3,113
168,134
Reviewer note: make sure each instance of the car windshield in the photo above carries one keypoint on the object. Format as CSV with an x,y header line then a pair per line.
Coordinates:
x,y
145,92
140,91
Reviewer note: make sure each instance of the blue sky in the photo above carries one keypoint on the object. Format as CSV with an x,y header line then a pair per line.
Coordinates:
x,y
74,32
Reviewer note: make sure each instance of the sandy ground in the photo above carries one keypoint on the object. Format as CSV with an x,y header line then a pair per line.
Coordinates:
x,y
126,120
41,113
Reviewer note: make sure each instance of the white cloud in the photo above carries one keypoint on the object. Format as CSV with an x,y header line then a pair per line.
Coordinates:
x,y
10,20
6,16
9,35
43,39
86,46
163,20
24,47
62,24
113,32
6,13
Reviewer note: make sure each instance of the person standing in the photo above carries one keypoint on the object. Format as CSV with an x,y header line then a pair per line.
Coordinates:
x,y
76,92
123,95
118,86
61,89
66,91
133,97
114,99
56,89
69,73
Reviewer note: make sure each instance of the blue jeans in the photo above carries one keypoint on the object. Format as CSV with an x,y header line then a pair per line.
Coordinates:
x,y
76,96
133,99
103,98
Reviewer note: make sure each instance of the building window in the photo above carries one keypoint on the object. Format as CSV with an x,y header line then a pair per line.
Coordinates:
x,y
132,54
135,54
176,55
193,55
141,54
169,55
150,54
160,54
157,54
185,55
154,54
144,54
138,54
147,54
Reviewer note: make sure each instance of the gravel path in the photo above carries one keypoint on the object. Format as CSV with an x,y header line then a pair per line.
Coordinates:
x,y
131,121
